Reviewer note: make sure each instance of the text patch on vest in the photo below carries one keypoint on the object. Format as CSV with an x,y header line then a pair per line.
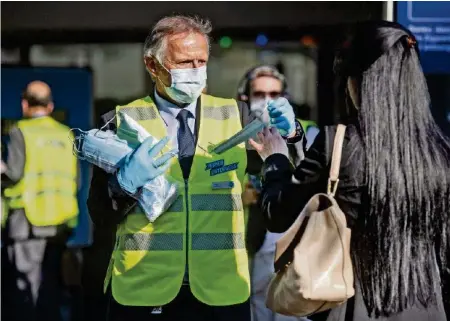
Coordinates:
x,y
223,169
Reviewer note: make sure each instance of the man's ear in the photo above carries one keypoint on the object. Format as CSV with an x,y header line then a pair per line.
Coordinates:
x,y
150,64
24,106
50,107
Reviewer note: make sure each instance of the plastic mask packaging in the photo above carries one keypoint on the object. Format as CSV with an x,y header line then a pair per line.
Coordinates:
x,y
106,150
249,131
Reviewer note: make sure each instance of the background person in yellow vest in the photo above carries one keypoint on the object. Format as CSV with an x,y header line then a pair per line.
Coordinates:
x,y
41,189
262,83
191,263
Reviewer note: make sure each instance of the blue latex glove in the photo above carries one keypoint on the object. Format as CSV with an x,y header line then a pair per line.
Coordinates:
x,y
282,116
142,166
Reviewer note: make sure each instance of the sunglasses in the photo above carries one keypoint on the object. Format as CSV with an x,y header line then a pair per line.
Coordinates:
x,y
264,94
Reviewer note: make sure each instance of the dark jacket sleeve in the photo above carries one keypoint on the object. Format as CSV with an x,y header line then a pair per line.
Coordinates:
x,y
16,158
107,204
283,197
287,190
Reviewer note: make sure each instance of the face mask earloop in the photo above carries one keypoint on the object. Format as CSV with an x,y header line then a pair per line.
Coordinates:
x,y
106,124
76,141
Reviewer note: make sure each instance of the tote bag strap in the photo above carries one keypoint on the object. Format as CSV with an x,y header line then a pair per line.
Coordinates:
x,y
333,179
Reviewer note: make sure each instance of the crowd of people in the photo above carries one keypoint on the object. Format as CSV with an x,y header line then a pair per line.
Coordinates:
x,y
210,255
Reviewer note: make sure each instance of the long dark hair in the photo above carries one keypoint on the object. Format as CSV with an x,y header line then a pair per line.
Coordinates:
x,y
407,166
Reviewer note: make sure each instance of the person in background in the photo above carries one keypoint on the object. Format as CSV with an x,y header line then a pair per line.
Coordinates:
x,y
41,179
258,86
191,263
302,112
394,182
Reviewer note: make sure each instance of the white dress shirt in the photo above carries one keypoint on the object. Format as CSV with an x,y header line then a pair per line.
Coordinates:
x,y
169,112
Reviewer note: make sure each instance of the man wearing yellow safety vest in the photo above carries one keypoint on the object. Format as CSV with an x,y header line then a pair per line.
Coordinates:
x,y
262,84
41,179
191,263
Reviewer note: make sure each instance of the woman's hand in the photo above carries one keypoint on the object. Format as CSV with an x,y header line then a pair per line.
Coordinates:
x,y
271,143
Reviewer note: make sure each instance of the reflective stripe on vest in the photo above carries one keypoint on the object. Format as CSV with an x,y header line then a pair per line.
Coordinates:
x,y
204,227
47,191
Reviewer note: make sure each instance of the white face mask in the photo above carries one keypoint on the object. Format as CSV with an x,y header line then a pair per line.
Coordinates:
x,y
259,108
187,84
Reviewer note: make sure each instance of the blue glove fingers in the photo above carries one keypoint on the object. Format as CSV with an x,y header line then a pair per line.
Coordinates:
x,y
145,146
274,113
279,107
278,103
124,183
282,116
155,150
162,169
280,122
164,158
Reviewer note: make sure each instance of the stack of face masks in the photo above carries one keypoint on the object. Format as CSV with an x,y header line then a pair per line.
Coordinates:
x,y
107,150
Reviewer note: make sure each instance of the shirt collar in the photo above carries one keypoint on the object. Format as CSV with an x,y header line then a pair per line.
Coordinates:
x,y
39,114
172,109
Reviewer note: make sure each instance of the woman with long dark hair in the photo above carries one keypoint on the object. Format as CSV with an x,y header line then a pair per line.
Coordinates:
x,y
394,179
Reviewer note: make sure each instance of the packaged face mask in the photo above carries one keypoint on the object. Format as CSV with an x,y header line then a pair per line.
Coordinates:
x,y
103,149
106,150
131,131
249,131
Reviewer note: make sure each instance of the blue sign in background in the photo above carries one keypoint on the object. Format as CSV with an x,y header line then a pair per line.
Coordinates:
x,y
72,94
429,21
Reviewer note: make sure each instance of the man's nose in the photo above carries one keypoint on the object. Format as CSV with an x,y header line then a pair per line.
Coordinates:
x,y
196,64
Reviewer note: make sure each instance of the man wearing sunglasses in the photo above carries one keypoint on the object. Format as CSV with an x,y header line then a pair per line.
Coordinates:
x,y
264,83
260,85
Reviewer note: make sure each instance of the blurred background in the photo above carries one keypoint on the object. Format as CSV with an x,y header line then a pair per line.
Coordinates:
x,y
91,54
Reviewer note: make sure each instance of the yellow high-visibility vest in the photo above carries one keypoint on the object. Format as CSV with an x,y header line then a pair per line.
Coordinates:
x,y
204,228
306,124
47,191
4,211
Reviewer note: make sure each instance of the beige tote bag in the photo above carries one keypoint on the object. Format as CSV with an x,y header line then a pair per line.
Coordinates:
x,y
313,268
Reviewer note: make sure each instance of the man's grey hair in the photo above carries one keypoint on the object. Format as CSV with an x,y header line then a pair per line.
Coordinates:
x,y
155,44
